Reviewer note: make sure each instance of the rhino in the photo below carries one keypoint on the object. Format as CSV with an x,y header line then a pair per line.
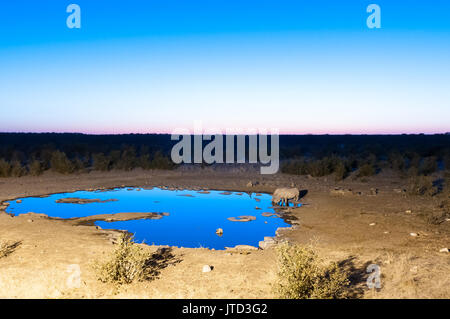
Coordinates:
x,y
284,195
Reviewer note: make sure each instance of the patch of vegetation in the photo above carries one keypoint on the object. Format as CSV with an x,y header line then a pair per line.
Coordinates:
x,y
340,171
366,170
60,163
317,167
441,216
5,168
36,168
397,161
421,185
447,183
302,275
7,248
17,169
428,165
128,263
315,155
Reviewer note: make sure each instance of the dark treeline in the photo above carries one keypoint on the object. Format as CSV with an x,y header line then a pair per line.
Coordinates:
x,y
33,153
316,155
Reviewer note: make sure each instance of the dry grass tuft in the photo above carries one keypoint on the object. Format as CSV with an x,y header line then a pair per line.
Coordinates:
x,y
302,275
128,263
7,248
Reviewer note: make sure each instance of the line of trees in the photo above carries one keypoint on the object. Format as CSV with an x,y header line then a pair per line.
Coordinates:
x,y
58,161
315,155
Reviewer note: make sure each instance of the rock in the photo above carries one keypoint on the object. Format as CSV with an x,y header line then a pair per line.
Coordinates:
x,y
341,192
219,231
268,214
76,200
414,269
30,220
444,250
249,184
206,268
244,218
399,190
372,224
267,243
413,234
242,247
374,191
18,201
408,211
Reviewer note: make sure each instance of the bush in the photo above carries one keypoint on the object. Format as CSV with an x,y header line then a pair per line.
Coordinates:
x,y
447,183
428,166
100,162
5,168
421,185
127,263
440,216
302,275
17,169
397,161
60,163
340,171
366,170
7,248
127,159
161,162
35,168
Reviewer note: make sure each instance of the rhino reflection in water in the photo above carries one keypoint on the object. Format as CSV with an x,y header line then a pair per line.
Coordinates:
x,y
284,195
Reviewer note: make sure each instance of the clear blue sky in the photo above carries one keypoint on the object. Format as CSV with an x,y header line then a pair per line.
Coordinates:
x,y
152,66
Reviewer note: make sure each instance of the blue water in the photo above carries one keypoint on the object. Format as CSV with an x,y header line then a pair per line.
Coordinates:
x,y
192,221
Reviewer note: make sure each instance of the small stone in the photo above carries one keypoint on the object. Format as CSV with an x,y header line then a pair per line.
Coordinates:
x,y
414,269
30,220
408,211
18,201
413,234
386,232
219,231
206,268
443,250
266,243
372,224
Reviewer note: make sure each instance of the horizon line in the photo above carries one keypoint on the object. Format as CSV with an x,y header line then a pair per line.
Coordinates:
x,y
210,133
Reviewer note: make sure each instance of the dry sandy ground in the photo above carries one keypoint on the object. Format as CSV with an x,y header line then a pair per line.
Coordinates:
x,y
354,229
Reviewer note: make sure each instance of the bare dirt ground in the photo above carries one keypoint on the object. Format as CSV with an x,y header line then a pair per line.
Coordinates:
x,y
354,228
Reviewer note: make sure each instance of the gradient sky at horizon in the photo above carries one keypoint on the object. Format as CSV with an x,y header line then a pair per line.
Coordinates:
x,y
153,66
